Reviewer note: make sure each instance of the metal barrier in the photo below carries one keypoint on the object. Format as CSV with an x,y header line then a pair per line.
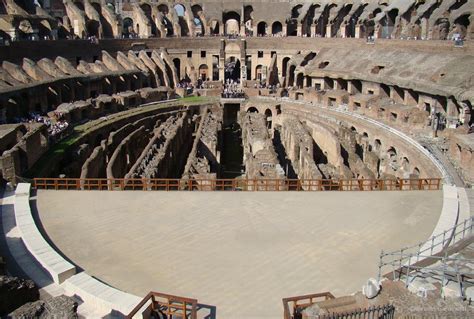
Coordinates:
x,y
167,306
410,261
299,303
167,184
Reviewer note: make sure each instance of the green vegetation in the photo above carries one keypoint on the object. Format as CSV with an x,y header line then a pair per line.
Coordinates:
x,y
57,151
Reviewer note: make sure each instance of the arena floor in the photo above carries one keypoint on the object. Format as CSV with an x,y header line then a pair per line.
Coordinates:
x,y
240,252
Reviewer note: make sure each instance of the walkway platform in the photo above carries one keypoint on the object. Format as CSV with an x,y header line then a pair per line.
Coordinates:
x,y
240,252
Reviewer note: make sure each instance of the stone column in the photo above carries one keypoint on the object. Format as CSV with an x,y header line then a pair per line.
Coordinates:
x,y
358,31
328,30
243,62
222,61
299,29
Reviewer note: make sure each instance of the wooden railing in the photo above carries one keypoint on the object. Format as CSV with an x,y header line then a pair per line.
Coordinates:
x,y
168,184
164,304
300,302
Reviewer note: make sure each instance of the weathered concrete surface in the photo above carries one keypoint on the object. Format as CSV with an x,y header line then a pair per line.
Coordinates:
x,y
241,252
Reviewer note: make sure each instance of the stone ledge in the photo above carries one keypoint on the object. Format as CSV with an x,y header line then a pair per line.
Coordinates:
x,y
87,288
100,295
58,268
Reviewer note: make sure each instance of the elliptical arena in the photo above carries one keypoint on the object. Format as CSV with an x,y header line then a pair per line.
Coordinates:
x,y
239,159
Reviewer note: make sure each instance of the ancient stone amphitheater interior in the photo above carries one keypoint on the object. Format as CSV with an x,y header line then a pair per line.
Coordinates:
x,y
236,159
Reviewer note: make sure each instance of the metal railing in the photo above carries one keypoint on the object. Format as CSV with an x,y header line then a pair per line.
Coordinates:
x,y
168,184
167,306
293,309
411,260
300,302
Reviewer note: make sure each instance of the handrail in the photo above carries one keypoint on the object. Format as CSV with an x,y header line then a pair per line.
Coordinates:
x,y
170,184
409,257
173,304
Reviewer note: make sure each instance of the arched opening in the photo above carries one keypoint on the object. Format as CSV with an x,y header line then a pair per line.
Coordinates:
x,y
277,28
462,25
389,23
231,23
416,172
198,20
204,72
127,28
248,20
284,66
252,109
262,29
291,75
177,65
25,30
232,69
405,164
268,118
377,145
181,12
148,13
164,10
214,27
44,29
308,20
92,28
300,80
258,73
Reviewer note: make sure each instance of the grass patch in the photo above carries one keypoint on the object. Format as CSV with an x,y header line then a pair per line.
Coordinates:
x,y
57,151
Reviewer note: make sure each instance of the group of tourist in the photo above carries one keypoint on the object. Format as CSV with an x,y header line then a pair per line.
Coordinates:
x,y
232,90
185,84
58,128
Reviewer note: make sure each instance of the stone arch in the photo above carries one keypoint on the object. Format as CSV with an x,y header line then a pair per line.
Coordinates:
x,y
214,27
248,19
462,24
291,75
300,80
92,28
146,8
203,72
262,28
177,65
377,145
198,19
252,109
268,118
284,65
292,23
127,27
181,13
277,28
416,172
231,21
44,29
164,10
405,165
258,72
